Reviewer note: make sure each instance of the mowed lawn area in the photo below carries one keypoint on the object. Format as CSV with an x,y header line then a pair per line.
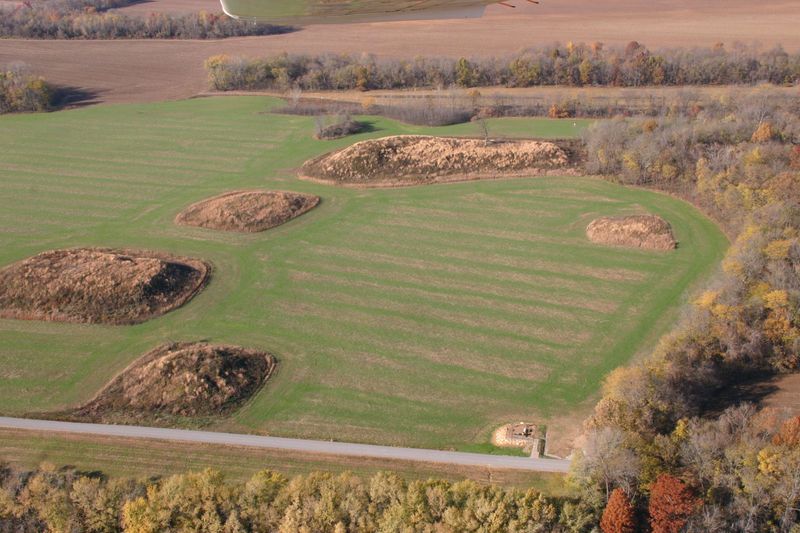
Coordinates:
x,y
421,316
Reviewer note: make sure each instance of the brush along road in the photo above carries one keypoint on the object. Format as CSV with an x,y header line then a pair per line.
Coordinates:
x,y
299,445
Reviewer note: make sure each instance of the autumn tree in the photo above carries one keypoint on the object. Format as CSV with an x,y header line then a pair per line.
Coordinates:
x,y
466,74
764,133
672,502
618,516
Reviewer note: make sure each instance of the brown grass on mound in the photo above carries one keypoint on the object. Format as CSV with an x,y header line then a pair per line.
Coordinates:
x,y
247,211
636,231
181,380
418,159
98,286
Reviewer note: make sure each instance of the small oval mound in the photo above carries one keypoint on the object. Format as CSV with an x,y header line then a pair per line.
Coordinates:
x,y
247,211
181,380
635,231
420,159
98,285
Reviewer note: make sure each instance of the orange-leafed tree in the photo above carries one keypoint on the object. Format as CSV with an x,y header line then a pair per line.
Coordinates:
x,y
789,434
672,502
618,516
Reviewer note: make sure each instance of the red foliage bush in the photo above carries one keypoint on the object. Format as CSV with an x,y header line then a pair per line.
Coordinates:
x,y
619,514
672,502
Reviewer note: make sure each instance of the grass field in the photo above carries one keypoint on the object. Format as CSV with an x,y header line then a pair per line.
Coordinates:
x,y
320,11
421,316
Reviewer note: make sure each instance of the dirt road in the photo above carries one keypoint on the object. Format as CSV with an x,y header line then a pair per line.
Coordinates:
x,y
298,445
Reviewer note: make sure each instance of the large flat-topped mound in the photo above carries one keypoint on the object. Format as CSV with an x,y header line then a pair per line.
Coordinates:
x,y
99,286
420,159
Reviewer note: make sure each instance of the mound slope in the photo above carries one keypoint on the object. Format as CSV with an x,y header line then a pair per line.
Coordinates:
x,y
636,231
419,159
98,286
247,211
182,380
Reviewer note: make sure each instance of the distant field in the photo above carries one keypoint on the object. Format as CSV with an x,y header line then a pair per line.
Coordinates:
x,y
422,316
156,70
323,11
786,394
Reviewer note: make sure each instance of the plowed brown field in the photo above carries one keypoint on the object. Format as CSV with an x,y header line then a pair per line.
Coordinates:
x,y
140,71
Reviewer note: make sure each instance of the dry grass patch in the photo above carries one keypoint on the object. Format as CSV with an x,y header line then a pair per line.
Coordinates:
x,y
420,159
98,286
636,231
181,380
247,211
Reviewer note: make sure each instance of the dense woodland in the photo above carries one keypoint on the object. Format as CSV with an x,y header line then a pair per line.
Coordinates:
x,y
23,92
740,161
93,19
64,501
573,65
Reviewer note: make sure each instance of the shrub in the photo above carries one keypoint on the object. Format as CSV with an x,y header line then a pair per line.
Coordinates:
x,y
23,92
672,502
336,127
619,515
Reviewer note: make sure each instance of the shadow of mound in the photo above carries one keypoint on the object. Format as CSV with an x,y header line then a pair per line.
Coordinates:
x,y
65,96
751,389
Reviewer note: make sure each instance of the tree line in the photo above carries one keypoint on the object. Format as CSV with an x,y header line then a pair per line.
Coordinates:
x,y
739,160
93,19
23,92
573,65
64,500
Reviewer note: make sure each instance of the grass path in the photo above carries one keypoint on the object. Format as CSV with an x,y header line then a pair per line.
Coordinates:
x,y
420,317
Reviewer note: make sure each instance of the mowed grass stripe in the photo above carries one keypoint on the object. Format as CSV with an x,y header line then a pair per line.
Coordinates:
x,y
533,276
420,316
132,179
25,192
474,300
115,169
580,250
498,258
542,291
405,325
540,326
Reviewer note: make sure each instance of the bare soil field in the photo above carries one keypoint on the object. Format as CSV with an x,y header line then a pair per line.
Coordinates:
x,y
786,394
147,71
635,231
419,159
180,379
98,286
247,211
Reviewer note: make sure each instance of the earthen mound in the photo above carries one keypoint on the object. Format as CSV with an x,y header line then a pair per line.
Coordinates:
x,y
181,380
419,159
98,286
247,211
636,231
